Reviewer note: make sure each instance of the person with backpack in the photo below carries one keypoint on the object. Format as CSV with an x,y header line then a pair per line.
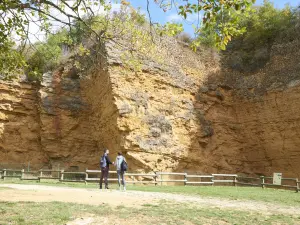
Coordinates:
x,y
104,165
121,165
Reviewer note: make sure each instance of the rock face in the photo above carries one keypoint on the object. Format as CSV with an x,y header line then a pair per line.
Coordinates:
x,y
257,118
20,125
189,114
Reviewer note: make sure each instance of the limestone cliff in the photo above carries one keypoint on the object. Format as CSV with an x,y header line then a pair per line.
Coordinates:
x,y
188,113
19,124
255,115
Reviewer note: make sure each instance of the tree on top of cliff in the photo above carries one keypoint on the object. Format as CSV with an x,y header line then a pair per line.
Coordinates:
x,y
18,15
265,26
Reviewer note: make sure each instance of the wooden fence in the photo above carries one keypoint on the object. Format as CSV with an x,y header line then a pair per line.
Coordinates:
x,y
153,178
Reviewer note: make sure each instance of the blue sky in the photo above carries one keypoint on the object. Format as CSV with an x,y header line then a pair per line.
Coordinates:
x,y
158,15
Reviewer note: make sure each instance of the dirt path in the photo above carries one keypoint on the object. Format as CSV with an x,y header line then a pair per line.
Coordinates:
x,y
38,193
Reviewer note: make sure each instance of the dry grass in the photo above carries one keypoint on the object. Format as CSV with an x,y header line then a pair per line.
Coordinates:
x,y
162,213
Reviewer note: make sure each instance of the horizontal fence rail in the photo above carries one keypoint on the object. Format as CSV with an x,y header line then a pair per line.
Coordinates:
x,y
89,176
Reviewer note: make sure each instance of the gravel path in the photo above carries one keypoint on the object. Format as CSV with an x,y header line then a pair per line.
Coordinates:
x,y
39,193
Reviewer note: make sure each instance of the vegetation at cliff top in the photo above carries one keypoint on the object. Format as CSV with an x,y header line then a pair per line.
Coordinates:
x,y
17,15
223,21
266,27
263,24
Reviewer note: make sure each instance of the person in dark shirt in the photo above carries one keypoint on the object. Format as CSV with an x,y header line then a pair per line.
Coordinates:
x,y
104,164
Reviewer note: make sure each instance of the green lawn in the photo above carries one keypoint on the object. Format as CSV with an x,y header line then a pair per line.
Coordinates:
x,y
284,197
162,213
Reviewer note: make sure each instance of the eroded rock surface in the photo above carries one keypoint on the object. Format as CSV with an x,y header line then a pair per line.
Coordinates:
x,y
189,114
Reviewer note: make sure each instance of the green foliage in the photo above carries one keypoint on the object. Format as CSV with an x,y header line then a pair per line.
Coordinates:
x,y
11,60
230,22
263,24
127,24
138,17
16,15
266,23
78,32
170,29
46,56
220,19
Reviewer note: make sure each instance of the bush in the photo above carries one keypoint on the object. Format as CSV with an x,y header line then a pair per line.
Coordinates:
x,y
266,23
46,56
263,25
184,37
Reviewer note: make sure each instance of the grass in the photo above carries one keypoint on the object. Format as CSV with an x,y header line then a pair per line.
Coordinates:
x,y
4,188
284,197
162,213
278,196
244,193
40,213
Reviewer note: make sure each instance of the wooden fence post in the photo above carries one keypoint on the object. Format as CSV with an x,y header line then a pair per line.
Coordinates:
x,y
62,175
185,179
41,174
262,181
212,180
4,174
155,180
235,180
86,176
297,185
22,174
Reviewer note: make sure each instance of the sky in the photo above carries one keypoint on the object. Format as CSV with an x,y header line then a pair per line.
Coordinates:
x,y
158,15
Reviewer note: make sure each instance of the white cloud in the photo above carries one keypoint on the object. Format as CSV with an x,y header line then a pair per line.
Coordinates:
x,y
191,18
174,18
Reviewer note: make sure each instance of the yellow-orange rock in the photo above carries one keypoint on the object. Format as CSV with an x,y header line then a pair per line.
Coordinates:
x,y
190,114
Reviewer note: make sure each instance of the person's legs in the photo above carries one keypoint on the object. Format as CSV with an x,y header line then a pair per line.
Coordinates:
x,y
119,177
123,179
106,177
101,177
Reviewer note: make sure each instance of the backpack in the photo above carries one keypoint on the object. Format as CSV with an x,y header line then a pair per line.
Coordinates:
x,y
103,162
124,165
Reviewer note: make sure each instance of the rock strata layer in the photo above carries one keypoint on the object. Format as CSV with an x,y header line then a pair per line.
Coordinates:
x,y
189,114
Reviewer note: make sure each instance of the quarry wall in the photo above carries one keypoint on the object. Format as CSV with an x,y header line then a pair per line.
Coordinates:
x,y
192,113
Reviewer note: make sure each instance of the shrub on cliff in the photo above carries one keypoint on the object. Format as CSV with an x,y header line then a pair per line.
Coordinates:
x,y
265,25
16,16
45,56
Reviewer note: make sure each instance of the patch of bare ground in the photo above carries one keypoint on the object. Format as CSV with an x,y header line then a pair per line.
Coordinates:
x,y
114,198
113,220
